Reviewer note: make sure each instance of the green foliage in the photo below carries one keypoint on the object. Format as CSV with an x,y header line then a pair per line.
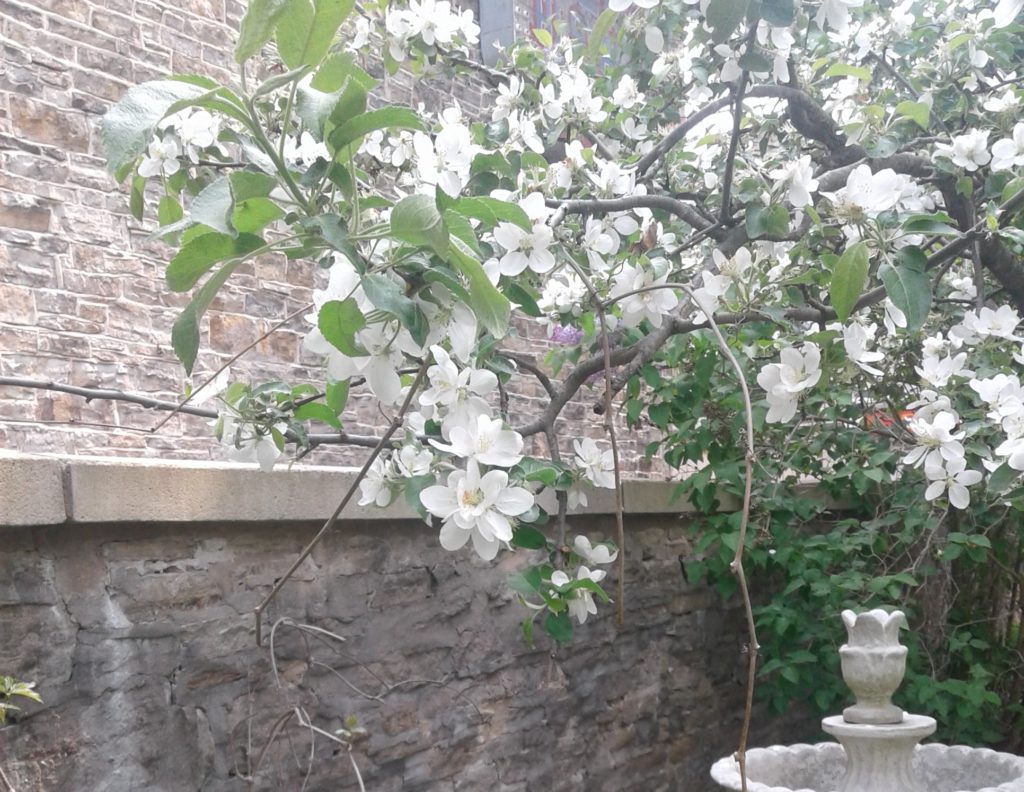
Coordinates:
x,y
11,688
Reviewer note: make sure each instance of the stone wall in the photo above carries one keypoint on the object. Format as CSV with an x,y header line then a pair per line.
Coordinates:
x,y
82,297
127,594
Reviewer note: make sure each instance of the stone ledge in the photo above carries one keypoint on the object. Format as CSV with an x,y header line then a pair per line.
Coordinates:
x,y
37,490
31,490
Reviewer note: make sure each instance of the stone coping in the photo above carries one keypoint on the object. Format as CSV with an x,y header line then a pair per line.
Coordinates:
x,y
51,490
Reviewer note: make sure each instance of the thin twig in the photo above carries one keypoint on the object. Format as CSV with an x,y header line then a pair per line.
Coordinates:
x,y
609,425
737,562
395,423
7,783
231,360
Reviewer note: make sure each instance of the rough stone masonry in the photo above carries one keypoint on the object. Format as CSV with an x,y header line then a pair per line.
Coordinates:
x,y
137,623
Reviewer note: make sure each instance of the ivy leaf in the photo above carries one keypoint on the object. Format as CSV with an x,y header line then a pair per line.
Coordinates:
x,y
848,279
201,252
416,220
128,126
908,286
387,295
339,321
724,16
491,307
257,27
305,30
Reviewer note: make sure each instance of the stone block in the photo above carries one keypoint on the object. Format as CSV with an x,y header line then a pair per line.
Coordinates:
x,y
31,491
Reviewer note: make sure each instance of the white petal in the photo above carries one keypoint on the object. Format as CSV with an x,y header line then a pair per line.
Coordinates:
x,y
453,537
486,549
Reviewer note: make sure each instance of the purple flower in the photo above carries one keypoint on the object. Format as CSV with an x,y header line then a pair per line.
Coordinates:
x,y
566,334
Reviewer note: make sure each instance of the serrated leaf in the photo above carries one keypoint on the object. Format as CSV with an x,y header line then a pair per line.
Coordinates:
x,y
724,16
848,279
918,112
128,126
384,118
908,286
416,220
388,296
339,321
200,253
257,27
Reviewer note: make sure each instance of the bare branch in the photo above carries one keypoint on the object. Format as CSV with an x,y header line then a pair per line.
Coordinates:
x,y
679,208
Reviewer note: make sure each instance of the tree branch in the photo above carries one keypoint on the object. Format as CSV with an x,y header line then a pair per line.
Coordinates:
x,y
682,210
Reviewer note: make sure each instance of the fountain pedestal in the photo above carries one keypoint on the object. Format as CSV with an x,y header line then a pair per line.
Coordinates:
x,y
879,756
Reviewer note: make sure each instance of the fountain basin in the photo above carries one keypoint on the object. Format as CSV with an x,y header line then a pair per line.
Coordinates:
x,y
821,767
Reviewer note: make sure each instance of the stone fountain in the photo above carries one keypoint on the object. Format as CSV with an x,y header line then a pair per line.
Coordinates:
x,y
878,747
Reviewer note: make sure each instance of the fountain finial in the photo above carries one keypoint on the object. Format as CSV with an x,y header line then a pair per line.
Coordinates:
x,y
873,663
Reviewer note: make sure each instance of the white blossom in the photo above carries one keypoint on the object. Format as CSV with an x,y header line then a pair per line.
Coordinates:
x,y
476,507
968,151
581,601
951,477
597,466
798,177
593,554
783,382
1009,152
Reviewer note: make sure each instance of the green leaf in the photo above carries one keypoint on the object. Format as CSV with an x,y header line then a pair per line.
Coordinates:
x,y
526,301
257,27
387,295
201,252
938,223
602,25
254,214
724,16
528,537
315,411
848,279
558,626
779,13
459,227
541,471
169,210
305,31
491,307
413,487
314,107
918,112
185,332
1001,479
543,37
338,70
336,395
339,321
416,220
128,126
391,117
137,197
770,221
908,286
491,211
754,61
213,206
845,70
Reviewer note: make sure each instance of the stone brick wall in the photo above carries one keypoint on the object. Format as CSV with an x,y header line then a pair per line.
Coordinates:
x,y
140,635
82,298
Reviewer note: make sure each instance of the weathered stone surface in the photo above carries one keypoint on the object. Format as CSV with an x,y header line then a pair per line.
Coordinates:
x,y
31,490
140,636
